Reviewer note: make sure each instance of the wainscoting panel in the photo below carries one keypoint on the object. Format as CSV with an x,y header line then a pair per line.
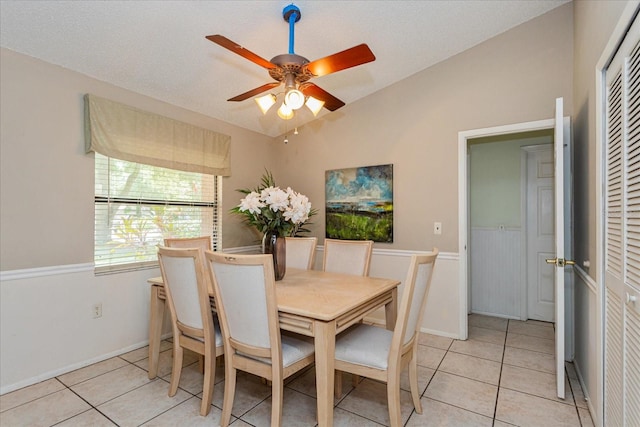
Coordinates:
x,y
496,271
47,326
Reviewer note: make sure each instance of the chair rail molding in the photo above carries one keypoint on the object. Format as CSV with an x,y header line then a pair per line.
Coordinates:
x,y
28,273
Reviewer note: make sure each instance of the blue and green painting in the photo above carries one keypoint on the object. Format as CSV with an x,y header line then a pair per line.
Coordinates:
x,y
359,203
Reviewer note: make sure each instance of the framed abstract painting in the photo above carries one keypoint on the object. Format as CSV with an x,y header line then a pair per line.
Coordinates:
x,y
359,203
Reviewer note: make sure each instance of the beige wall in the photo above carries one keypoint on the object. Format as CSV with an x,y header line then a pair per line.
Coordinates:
x,y
414,124
46,181
594,23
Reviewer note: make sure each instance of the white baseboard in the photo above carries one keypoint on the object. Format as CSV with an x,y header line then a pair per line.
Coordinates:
x,y
378,321
592,410
70,368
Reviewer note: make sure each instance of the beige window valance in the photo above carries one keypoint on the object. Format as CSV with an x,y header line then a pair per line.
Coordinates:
x,y
126,133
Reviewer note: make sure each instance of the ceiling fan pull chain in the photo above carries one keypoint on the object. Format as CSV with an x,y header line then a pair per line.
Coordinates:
x,y
291,14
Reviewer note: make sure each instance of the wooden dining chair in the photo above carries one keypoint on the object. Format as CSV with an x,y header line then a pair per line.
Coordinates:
x,y
183,276
244,287
347,256
301,252
203,242
380,354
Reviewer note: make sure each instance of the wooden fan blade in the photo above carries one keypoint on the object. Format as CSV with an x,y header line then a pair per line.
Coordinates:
x,y
254,92
245,53
357,55
331,103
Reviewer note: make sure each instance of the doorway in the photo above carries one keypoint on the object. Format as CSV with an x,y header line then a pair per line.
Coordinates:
x,y
463,203
511,231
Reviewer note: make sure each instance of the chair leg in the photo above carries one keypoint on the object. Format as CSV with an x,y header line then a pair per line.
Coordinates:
x,y
177,367
209,381
413,382
355,379
337,384
229,392
277,391
393,401
201,365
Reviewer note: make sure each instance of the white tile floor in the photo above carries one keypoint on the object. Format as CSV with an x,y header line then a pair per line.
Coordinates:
x,y
503,375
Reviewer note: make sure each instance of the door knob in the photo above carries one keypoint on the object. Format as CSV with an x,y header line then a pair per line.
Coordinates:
x,y
560,262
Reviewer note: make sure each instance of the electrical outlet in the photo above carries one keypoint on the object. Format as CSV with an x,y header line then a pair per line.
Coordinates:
x,y
97,310
437,228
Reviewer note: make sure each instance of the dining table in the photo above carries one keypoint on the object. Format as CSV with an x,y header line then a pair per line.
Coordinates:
x,y
314,303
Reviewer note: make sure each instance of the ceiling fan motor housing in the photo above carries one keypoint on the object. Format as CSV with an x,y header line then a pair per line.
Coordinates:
x,y
290,65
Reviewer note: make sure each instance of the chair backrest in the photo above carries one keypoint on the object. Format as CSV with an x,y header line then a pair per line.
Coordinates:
x,y
414,297
203,242
301,252
347,256
244,287
185,286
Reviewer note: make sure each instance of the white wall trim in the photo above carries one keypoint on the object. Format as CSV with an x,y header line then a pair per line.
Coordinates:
x,y
376,251
86,288
405,253
585,391
57,372
586,279
422,329
243,249
29,273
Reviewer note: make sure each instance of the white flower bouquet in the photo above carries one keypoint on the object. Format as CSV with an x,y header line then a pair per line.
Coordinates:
x,y
273,210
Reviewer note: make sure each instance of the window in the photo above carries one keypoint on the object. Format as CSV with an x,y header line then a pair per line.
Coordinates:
x,y
137,206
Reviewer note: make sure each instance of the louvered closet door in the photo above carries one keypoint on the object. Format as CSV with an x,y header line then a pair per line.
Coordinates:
x,y
614,337
631,296
622,256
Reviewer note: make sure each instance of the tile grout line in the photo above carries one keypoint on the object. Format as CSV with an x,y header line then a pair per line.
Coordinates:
x,y
573,395
504,350
87,402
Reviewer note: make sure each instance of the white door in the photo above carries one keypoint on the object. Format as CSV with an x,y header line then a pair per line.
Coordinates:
x,y
562,202
540,233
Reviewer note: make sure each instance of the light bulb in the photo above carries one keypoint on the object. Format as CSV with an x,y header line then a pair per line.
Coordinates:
x,y
315,105
294,99
265,102
284,112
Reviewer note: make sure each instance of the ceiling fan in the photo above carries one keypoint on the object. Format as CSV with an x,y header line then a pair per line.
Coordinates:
x,y
295,71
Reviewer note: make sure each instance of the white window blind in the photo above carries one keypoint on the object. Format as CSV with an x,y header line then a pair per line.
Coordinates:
x,y
137,206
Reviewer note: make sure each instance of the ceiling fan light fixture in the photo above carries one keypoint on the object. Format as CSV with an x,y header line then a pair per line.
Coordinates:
x,y
265,102
315,105
293,71
294,99
284,112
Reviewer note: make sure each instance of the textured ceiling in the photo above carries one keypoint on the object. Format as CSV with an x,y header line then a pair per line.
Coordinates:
x,y
158,48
